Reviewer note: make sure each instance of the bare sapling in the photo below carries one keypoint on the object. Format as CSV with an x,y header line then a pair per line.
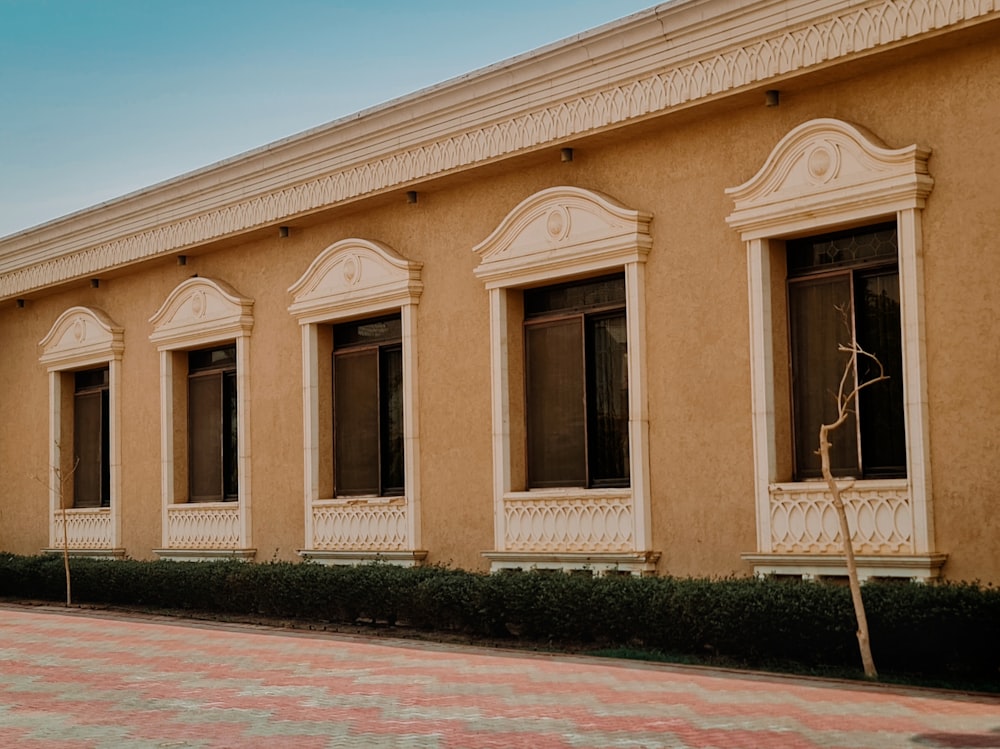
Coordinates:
x,y
60,479
846,397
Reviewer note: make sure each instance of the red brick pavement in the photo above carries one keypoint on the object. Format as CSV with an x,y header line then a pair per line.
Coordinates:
x,y
82,680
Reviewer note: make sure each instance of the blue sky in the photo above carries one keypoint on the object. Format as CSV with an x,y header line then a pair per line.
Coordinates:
x,y
102,97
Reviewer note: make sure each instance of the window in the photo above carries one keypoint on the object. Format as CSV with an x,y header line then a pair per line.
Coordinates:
x,y
368,407
83,355
565,274
203,333
576,383
212,425
841,284
91,439
357,306
823,176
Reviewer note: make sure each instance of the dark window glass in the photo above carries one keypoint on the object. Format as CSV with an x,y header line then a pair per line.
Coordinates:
x,y
91,379
356,438
359,332
391,422
880,408
576,381
851,248
833,293
607,400
213,444
589,295
817,365
92,472
368,408
230,437
223,358
557,451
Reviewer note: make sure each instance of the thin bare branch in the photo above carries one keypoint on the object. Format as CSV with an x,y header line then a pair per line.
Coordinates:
x,y
844,399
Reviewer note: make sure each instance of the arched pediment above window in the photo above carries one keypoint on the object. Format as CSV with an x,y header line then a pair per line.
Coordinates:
x,y
562,230
356,275
201,310
81,336
826,171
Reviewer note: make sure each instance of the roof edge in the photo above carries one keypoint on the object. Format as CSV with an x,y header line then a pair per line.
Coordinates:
x,y
667,57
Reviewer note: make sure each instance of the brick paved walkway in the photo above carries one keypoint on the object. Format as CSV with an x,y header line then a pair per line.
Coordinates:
x,y
87,680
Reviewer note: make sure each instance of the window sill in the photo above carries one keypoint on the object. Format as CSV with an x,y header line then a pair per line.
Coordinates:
x,y
209,504
918,567
569,492
204,555
89,553
366,500
413,558
856,484
632,563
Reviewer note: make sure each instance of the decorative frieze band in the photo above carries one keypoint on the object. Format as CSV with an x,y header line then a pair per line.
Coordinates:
x,y
850,32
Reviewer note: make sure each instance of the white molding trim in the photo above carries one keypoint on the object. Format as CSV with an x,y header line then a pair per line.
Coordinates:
x,y
354,278
916,567
205,555
351,279
559,234
200,312
674,56
81,338
562,232
353,558
826,174
634,563
88,553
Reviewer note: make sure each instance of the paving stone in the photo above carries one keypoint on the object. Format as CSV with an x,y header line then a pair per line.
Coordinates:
x,y
93,681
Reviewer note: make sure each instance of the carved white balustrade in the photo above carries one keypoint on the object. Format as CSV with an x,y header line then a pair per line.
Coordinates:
x,y
804,520
561,521
360,525
86,528
203,526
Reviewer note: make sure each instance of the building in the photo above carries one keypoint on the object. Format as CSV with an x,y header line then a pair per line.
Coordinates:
x,y
575,310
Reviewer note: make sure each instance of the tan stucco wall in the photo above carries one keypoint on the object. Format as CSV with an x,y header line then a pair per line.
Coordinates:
x,y
703,513
24,451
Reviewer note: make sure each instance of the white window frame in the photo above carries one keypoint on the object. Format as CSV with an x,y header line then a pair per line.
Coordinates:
x,y
825,175
558,235
355,279
198,313
84,338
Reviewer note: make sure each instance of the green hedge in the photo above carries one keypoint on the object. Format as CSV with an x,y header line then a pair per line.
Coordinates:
x,y
940,631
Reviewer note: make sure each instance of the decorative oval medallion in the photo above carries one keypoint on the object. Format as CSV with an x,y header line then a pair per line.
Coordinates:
x,y
79,330
823,163
557,224
352,270
198,303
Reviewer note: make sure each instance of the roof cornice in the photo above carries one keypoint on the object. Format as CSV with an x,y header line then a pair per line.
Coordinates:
x,y
668,57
